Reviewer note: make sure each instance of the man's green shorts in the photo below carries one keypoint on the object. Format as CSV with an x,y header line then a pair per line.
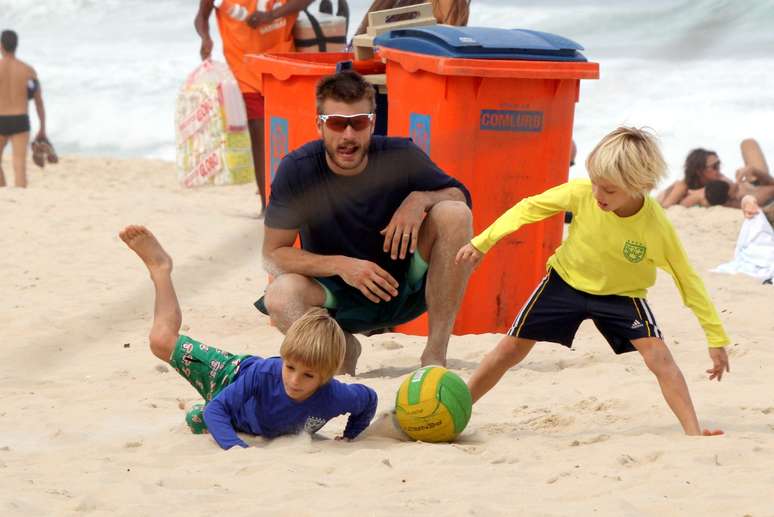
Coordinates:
x,y
208,369
356,313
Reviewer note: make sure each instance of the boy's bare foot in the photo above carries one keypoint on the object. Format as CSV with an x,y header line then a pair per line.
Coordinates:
x,y
713,432
144,243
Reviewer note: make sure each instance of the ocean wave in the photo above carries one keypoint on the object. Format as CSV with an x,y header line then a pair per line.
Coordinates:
x,y
696,71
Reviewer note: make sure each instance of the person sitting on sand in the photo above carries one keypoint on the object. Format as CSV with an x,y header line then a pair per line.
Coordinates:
x,y
265,397
701,166
18,84
617,239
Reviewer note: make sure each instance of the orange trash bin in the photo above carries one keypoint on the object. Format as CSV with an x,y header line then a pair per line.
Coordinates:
x,y
494,108
288,82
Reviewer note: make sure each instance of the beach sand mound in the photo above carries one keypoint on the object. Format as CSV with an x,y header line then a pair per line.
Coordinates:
x,y
91,423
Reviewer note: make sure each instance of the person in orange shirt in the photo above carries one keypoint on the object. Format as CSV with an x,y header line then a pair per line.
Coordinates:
x,y
269,28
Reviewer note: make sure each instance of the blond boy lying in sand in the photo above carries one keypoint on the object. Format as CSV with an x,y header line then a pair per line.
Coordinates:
x,y
264,397
618,237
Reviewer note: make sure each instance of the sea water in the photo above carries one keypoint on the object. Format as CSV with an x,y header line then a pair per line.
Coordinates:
x,y
698,72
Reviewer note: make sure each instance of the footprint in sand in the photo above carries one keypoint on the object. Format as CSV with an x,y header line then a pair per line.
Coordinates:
x,y
87,504
596,439
495,429
504,460
548,422
390,345
554,479
628,460
468,449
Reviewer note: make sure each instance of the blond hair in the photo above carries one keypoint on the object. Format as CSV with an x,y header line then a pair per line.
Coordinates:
x,y
317,341
630,158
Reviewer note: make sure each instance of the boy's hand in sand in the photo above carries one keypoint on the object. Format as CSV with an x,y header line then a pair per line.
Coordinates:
x,y
468,255
719,363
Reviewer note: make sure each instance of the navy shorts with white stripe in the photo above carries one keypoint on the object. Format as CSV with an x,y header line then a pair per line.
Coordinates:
x,y
555,310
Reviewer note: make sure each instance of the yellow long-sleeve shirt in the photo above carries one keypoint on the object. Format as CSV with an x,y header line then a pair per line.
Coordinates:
x,y
606,254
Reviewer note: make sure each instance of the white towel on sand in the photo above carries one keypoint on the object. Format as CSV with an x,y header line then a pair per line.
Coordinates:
x,y
754,254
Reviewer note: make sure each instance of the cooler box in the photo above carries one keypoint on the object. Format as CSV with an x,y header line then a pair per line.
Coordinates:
x,y
289,81
320,31
493,108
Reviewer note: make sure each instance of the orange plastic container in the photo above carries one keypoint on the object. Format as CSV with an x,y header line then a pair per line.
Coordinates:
x,y
288,86
503,128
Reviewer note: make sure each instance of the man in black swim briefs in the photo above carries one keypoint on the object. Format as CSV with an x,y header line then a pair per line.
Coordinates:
x,y
18,84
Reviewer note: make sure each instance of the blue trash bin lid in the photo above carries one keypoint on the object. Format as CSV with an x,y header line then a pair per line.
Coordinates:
x,y
482,43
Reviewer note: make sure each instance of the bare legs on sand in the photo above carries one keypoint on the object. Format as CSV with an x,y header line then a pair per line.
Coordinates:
x,y
166,310
510,351
19,143
447,227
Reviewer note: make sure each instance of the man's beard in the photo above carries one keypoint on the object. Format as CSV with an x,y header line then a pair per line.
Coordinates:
x,y
360,152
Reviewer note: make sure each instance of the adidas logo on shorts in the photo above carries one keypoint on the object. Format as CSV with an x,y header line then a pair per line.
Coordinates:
x,y
636,324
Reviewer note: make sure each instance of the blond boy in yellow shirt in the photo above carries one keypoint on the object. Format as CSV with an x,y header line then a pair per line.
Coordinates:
x,y
618,237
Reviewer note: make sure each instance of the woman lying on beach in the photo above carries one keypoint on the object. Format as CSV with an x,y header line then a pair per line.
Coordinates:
x,y
701,167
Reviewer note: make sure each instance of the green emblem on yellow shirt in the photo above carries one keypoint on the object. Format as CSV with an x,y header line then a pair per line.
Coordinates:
x,y
634,251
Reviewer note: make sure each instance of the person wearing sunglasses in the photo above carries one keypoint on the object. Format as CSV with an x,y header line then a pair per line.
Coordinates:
x,y
379,224
701,167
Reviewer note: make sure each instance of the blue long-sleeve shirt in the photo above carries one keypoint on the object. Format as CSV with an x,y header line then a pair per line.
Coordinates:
x,y
256,403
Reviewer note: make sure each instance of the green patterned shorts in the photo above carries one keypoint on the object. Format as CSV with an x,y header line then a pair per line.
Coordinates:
x,y
208,369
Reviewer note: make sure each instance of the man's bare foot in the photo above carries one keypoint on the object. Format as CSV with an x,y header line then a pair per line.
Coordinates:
x,y
713,432
144,243
429,359
351,355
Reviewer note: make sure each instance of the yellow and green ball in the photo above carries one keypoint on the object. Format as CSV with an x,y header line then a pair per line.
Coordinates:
x,y
433,405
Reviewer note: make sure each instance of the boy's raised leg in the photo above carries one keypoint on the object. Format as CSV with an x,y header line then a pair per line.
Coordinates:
x,y
166,311
659,360
509,352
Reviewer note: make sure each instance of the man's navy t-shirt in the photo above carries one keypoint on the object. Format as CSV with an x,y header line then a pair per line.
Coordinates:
x,y
343,215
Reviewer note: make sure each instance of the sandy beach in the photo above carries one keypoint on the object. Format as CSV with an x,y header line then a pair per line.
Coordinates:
x,y
92,423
